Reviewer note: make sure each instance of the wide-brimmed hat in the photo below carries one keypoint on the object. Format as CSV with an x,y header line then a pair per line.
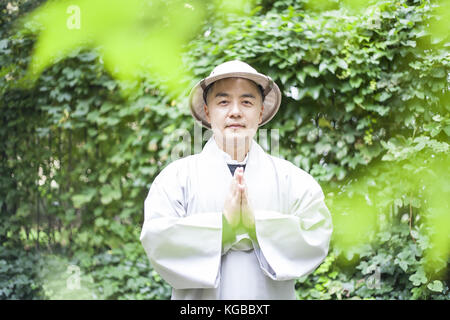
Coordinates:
x,y
239,69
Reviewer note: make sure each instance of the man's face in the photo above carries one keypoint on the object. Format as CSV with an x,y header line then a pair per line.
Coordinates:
x,y
234,109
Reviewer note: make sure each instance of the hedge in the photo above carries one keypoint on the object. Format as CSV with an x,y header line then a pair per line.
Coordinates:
x,y
365,111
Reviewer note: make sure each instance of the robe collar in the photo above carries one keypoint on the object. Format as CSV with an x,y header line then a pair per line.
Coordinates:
x,y
211,149
226,156
215,160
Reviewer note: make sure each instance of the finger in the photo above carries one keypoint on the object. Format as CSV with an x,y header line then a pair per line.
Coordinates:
x,y
241,175
236,189
243,189
244,196
236,192
236,174
238,180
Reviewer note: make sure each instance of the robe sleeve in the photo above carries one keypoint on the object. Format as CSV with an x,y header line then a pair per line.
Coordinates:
x,y
184,250
292,244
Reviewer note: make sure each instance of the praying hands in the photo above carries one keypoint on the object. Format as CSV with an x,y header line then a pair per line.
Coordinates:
x,y
237,207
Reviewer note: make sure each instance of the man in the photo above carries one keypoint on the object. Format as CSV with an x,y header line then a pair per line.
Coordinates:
x,y
234,222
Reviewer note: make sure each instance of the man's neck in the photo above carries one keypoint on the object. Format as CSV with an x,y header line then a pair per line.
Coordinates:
x,y
236,149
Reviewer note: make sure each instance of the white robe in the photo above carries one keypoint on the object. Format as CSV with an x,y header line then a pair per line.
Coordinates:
x,y
182,231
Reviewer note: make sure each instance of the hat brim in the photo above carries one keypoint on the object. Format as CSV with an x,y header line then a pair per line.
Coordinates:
x,y
272,100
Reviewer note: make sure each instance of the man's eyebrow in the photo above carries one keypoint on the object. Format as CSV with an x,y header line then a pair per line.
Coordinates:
x,y
245,95
221,94
248,95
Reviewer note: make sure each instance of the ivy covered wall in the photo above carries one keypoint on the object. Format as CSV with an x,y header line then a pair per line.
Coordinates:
x,y
365,110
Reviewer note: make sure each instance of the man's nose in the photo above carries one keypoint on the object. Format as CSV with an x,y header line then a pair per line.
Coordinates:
x,y
235,109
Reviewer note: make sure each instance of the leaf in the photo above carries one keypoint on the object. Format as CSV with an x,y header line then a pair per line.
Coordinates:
x,y
3,44
382,96
315,92
418,278
112,121
322,148
439,73
324,123
311,71
86,196
81,110
93,116
101,222
284,77
435,286
23,211
358,99
356,82
323,65
342,64
447,130
403,265
381,110
410,43
106,107
349,107
109,194
301,75
87,56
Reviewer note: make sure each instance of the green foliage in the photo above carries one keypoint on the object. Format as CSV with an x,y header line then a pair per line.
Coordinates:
x,y
391,267
138,28
365,110
125,273
19,275
120,273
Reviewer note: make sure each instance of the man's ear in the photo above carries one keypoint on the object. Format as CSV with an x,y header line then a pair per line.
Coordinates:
x,y
261,113
205,108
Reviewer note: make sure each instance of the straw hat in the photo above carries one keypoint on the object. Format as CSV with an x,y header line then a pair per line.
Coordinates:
x,y
231,69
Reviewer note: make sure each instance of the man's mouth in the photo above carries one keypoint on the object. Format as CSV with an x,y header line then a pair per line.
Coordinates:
x,y
235,126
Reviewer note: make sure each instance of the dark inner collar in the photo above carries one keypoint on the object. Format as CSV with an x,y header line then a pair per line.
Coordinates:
x,y
233,167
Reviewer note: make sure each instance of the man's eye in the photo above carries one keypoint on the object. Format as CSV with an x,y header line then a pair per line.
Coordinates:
x,y
247,102
223,102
